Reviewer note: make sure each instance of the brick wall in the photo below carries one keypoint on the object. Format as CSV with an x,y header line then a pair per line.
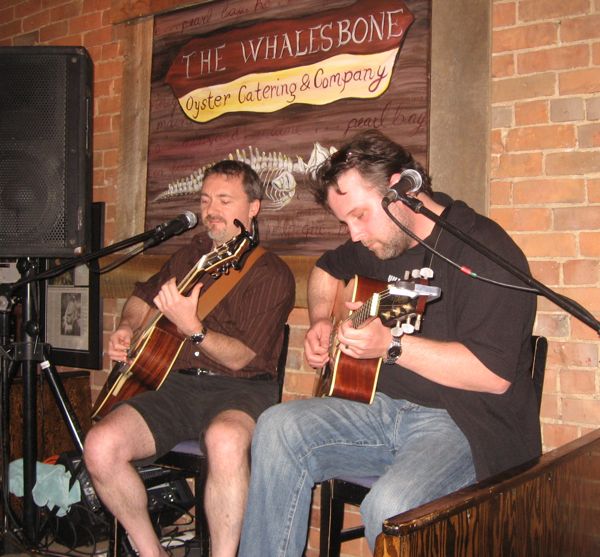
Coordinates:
x,y
544,186
545,183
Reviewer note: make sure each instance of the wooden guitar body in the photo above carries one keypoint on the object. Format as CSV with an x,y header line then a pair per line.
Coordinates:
x,y
344,376
151,365
400,302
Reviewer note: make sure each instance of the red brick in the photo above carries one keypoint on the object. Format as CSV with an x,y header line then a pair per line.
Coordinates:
x,y
557,435
577,382
7,15
511,165
583,331
583,411
541,137
594,191
299,317
65,11
547,244
542,191
589,244
528,87
596,54
559,58
98,37
531,112
503,65
576,354
579,81
550,408
552,325
588,296
504,14
84,23
36,21
547,272
567,109
108,70
110,105
27,8
589,135
54,31
500,192
581,271
577,218
522,219
528,36
573,162
502,117
536,10
27,39
10,29
580,28
496,142
69,40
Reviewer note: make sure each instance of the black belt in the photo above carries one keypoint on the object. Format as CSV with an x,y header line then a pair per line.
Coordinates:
x,y
198,371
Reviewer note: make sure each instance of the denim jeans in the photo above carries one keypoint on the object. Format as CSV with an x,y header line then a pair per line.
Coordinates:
x,y
418,452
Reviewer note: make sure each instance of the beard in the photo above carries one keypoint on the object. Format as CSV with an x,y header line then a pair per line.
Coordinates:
x,y
396,242
393,247
217,230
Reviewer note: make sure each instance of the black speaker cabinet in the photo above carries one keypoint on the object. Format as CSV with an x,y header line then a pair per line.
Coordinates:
x,y
45,151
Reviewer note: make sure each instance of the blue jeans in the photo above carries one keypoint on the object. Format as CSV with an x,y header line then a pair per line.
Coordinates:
x,y
418,452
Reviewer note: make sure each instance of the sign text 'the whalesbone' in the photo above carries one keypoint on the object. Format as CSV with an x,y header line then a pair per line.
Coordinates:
x,y
343,53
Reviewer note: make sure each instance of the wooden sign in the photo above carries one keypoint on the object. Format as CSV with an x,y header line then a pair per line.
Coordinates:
x,y
280,85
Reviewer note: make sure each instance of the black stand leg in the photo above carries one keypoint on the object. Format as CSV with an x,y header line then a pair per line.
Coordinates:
x,y
25,356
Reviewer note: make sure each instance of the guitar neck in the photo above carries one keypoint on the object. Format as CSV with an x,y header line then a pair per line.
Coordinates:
x,y
365,312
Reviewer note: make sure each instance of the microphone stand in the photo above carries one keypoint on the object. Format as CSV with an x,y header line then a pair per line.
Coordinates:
x,y
30,352
563,302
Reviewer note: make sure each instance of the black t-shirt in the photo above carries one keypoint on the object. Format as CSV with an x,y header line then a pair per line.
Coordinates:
x,y
495,323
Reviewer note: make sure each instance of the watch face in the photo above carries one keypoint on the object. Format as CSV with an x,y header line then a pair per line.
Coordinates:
x,y
197,338
393,352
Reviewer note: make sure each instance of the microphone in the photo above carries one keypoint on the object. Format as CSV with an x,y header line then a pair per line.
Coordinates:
x,y
179,224
409,184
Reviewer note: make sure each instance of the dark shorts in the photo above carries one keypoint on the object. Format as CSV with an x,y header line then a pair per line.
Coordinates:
x,y
185,405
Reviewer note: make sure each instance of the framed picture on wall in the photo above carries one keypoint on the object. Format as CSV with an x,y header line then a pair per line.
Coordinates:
x,y
71,308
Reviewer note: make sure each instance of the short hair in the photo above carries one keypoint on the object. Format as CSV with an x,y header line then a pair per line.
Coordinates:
x,y
250,180
375,156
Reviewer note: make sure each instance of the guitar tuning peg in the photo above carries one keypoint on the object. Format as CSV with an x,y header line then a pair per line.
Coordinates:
x,y
408,328
397,330
426,273
418,322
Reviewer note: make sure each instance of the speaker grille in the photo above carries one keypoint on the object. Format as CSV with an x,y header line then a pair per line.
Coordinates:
x,y
45,162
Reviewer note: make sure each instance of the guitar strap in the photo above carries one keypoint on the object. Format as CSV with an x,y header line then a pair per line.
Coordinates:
x,y
225,284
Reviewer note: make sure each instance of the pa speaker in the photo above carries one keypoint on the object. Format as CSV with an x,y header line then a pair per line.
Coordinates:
x,y
45,151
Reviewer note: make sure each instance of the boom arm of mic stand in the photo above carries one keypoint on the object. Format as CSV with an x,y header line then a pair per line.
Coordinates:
x,y
563,302
84,259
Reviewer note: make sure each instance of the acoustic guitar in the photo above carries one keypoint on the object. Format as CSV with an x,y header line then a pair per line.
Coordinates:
x,y
400,304
155,348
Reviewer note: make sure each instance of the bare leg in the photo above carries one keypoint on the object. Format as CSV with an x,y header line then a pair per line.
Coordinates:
x,y
110,447
227,441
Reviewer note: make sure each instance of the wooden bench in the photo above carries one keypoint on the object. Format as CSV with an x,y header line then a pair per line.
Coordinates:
x,y
548,507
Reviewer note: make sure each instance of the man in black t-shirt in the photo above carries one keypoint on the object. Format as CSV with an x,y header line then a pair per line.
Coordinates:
x,y
454,400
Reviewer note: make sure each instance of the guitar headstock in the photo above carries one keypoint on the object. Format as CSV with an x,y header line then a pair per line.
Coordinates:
x,y
404,301
231,254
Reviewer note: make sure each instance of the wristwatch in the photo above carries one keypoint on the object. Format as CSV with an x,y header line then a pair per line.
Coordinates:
x,y
197,338
395,348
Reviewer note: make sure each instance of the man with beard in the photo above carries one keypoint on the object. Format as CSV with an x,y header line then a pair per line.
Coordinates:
x,y
454,401
221,380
